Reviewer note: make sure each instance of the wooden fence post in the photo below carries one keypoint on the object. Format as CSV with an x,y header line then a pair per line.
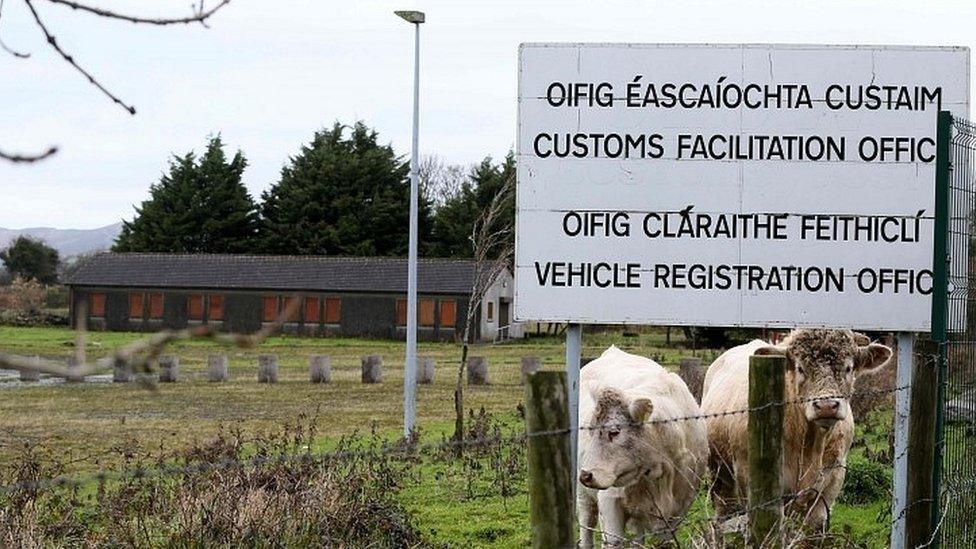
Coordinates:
x,y
691,371
766,379
551,475
921,445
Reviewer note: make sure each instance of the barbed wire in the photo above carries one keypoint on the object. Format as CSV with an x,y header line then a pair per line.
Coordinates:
x,y
400,447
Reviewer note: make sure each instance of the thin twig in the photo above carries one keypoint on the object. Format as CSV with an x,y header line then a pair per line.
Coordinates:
x,y
8,49
199,14
18,158
53,42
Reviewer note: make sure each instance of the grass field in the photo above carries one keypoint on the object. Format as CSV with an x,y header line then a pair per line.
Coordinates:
x,y
89,422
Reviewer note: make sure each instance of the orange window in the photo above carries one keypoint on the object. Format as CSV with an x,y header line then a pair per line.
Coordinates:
x,y
312,309
426,312
292,304
491,311
135,305
401,312
155,305
270,310
333,310
216,307
448,313
195,307
97,304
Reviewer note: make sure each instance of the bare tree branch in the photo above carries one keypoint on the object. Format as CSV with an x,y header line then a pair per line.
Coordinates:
x,y
71,60
27,158
8,49
200,15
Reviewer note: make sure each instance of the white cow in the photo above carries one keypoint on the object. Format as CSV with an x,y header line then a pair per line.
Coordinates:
x,y
821,367
636,472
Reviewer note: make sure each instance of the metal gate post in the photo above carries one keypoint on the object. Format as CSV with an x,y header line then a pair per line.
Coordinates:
x,y
574,353
940,299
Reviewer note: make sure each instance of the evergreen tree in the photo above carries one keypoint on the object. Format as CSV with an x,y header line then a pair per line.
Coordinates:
x,y
342,196
31,259
200,206
455,219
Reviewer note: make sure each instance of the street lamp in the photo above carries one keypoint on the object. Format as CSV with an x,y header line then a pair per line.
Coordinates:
x,y
410,367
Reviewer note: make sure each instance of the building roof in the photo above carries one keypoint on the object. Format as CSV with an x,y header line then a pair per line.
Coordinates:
x,y
260,272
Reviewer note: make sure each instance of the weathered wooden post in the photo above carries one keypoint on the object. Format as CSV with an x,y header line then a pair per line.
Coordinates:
x,y
372,369
690,370
425,370
31,375
530,365
766,379
551,475
320,368
217,367
921,445
169,369
121,371
477,370
267,368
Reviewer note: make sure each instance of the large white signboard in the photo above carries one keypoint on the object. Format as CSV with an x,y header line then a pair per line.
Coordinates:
x,y
731,185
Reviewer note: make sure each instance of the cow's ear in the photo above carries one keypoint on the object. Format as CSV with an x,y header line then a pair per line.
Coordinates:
x,y
861,339
871,357
773,350
640,409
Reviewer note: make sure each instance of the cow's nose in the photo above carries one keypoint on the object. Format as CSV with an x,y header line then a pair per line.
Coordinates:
x,y
586,477
826,406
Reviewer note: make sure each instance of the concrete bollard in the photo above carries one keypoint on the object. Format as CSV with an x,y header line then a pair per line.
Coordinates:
x,y
169,369
31,375
268,369
425,370
530,365
73,365
121,372
477,370
690,370
320,368
217,368
372,369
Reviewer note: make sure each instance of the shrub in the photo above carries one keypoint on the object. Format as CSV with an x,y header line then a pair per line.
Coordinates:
x,y
866,481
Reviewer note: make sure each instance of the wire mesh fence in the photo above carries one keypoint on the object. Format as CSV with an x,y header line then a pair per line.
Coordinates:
x,y
956,470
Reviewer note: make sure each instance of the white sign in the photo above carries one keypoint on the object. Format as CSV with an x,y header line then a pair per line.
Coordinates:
x,y
730,185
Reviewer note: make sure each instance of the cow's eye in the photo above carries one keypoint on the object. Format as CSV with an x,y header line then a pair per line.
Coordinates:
x,y
849,369
800,370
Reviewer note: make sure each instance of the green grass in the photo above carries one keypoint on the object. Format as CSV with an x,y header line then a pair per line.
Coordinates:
x,y
452,503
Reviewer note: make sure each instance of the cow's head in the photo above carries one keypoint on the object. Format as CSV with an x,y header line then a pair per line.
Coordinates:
x,y
616,449
824,364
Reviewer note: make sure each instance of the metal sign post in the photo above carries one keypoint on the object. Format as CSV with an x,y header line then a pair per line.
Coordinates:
x,y
903,400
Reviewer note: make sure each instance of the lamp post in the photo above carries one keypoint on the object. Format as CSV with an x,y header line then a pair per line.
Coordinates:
x,y
410,367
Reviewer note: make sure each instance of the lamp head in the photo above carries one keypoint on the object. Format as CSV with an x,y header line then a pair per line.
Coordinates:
x,y
416,17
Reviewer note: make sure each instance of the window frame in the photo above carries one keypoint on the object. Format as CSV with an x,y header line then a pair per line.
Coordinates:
x,y
220,307
154,299
317,301
190,299
265,300
326,317
93,311
440,313
137,312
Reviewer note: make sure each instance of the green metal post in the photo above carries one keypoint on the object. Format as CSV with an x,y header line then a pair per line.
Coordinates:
x,y
940,297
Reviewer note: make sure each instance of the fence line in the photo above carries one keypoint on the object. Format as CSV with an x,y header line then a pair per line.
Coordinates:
x,y
400,447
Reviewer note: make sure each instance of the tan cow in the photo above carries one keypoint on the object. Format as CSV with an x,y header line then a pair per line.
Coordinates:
x,y
818,424
637,470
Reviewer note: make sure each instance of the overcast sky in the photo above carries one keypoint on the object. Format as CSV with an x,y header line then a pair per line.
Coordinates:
x,y
266,75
